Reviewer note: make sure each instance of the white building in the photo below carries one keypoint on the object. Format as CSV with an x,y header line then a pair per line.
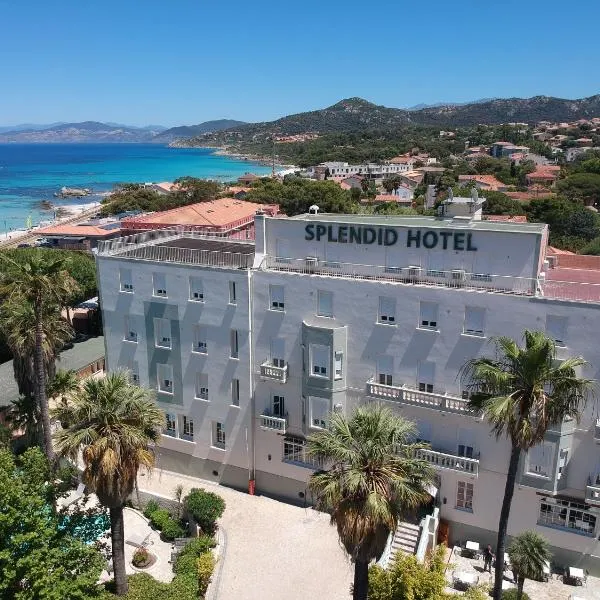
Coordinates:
x,y
370,170
251,348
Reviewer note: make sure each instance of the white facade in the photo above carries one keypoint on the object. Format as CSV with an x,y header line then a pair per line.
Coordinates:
x,y
337,310
372,170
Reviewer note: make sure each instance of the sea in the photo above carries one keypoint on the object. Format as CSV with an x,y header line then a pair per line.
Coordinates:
x,y
30,173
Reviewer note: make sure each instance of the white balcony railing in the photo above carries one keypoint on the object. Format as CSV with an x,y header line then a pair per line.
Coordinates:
x,y
453,462
270,371
275,423
407,395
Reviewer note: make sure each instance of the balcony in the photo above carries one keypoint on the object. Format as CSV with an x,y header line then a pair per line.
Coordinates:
x,y
407,395
273,423
592,490
269,371
453,462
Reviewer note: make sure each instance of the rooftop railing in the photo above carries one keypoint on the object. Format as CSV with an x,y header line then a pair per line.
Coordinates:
x,y
453,462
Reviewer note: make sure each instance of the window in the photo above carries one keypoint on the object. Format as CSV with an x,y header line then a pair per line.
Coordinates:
x,y
130,330
171,428
282,251
539,459
218,435
159,281
200,343
234,343
164,375
276,297
428,315
196,289
319,360
278,352
570,515
278,406
474,317
423,432
235,392
385,368
425,376
319,412
556,328
232,293
338,359
201,386
464,496
126,280
135,372
188,429
387,310
162,333
324,304
466,443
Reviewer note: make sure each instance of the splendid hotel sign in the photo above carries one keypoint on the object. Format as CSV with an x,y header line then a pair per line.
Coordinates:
x,y
386,236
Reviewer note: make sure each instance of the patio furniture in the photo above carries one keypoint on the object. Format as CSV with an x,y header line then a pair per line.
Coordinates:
x,y
574,576
463,580
137,539
472,549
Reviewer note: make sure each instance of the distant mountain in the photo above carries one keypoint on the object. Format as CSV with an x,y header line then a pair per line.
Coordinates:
x,y
188,131
436,104
28,126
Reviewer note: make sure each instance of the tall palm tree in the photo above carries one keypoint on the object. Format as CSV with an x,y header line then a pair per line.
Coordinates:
x,y
529,552
372,480
522,392
42,282
115,425
63,383
23,416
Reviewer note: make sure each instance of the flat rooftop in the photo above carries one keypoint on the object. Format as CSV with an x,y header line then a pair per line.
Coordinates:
x,y
209,245
421,221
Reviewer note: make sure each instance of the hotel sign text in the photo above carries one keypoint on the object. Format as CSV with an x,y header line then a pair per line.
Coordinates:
x,y
386,236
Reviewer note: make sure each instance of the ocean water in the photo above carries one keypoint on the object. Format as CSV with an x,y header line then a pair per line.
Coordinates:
x,y
30,173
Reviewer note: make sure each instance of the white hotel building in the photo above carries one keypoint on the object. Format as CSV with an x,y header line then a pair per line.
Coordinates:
x,y
251,346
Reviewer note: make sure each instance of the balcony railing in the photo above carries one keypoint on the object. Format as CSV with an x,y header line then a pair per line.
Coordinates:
x,y
275,423
592,494
407,395
269,371
453,462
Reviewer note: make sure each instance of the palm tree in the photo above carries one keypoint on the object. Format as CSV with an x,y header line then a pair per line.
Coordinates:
x,y
115,425
373,479
43,283
62,384
529,553
23,416
522,392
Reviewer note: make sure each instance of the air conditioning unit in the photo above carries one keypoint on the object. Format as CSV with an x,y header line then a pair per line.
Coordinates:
x,y
311,262
458,275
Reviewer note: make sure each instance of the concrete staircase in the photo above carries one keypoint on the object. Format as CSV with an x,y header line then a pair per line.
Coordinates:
x,y
405,539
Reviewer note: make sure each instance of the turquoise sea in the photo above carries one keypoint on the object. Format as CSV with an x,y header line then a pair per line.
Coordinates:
x,y
30,173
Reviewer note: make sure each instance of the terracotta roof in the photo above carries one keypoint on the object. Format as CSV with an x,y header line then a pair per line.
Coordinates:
x,y
167,186
553,250
216,213
345,186
402,160
542,174
489,180
248,177
77,231
236,189
506,218
387,198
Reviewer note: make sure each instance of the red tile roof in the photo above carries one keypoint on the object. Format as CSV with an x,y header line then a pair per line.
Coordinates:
x,y
488,180
506,218
78,231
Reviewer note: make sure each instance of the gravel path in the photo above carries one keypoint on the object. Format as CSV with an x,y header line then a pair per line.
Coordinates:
x,y
273,550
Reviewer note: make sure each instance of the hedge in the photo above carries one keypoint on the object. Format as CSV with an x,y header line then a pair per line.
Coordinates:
x,y
205,508
162,520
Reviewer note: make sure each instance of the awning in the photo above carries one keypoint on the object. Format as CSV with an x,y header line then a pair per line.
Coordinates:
x,y
431,490
91,303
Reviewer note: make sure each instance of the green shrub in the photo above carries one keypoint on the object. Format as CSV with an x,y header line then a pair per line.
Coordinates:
x,y
512,595
205,507
186,559
477,592
140,557
205,565
159,518
171,529
151,507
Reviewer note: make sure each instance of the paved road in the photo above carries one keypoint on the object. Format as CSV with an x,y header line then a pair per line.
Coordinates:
x,y
273,550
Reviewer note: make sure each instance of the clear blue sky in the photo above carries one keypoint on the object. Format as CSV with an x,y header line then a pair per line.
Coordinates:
x,y
177,62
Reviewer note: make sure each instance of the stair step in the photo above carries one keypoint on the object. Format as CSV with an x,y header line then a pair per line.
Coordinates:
x,y
401,542
407,549
405,525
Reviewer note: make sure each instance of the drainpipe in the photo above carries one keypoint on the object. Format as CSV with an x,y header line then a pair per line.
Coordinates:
x,y
251,451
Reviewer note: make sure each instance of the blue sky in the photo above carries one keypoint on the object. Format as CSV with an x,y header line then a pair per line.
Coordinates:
x,y
178,62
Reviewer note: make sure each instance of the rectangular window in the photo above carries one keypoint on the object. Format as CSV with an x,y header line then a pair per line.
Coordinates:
x,y
474,320
171,427
464,495
319,360
218,435
319,412
324,304
164,374
201,386
188,429
278,406
387,310
159,282
196,289
570,515
466,443
338,359
200,342
126,280
232,292
235,392
278,352
276,297
539,459
162,333
234,343
423,432
556,329
425,376
385,369
130,330
428,315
